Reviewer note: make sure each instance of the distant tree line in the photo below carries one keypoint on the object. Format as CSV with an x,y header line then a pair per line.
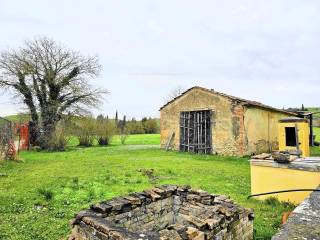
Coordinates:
x,y
101,129
133,126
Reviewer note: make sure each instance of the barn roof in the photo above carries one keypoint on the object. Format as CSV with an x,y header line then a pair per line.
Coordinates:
x,y
245,101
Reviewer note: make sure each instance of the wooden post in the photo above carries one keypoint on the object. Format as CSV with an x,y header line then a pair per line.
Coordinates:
x,y
311,143
205,132
188,136
297,137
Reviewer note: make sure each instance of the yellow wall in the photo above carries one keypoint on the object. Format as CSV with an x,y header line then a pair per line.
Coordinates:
x,y
303,133
236,128
268,179
223,139
261,128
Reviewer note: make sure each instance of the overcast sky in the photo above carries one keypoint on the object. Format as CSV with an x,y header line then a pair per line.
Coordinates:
x,y
266,51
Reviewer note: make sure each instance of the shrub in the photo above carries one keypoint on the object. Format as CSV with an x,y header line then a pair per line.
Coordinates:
x,y
60,137
105,130
135,127
123,136
150,125
144,126
84,130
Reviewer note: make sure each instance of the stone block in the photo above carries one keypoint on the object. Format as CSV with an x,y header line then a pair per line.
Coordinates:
x,y
165,212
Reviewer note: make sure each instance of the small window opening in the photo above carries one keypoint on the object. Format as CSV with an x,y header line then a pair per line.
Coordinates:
x,y
291,136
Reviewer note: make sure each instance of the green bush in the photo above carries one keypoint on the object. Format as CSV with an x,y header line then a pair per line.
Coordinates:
x,y
105,130
135,127
150,125
85,130
146,125
123,138
60,138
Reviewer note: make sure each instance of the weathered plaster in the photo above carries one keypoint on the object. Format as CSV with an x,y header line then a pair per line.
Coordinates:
x,y
237,129
261,128
222,133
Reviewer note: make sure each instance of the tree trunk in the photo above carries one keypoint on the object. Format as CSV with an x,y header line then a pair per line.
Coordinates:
x,y
28,100
34,130
49,121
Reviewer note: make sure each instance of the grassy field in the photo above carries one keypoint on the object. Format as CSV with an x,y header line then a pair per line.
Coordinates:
x,y
317,133
135,139
40,195
17,118
314,109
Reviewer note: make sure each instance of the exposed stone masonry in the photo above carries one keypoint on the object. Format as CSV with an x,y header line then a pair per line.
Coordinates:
x,y
165,212
304,222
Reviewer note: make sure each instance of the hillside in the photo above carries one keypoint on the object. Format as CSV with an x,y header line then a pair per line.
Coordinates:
x,y
315,109
24,117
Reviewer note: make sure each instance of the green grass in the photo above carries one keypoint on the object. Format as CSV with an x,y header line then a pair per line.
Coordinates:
x,y
135,139
138,139
40,195
316,131
316,110
315,151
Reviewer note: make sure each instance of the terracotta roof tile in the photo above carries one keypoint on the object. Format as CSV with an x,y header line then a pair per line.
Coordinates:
x,y
245,101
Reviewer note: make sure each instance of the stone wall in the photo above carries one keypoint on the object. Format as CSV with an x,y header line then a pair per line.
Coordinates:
x,y
165,212
304,222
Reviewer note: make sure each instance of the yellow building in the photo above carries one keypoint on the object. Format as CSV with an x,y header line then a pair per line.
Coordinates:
x,y
294,135
206,121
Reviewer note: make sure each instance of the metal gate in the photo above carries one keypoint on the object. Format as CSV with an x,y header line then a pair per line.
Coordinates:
x,y
195,131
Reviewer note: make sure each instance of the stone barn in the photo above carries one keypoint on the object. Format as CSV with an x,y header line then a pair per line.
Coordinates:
x,y
202,120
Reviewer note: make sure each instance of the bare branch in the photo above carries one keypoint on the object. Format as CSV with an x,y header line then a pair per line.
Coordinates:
x,y
51,79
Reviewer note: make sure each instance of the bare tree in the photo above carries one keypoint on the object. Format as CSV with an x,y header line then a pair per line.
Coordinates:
x,y
51,80
174,93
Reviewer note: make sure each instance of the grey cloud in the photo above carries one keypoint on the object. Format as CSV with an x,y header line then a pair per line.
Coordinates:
x,y
261,50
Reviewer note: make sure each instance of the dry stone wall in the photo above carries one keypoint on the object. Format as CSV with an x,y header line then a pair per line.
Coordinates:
x,y
165,212
304,222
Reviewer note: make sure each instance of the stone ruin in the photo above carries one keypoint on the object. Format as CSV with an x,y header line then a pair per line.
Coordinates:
x,y
165,212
